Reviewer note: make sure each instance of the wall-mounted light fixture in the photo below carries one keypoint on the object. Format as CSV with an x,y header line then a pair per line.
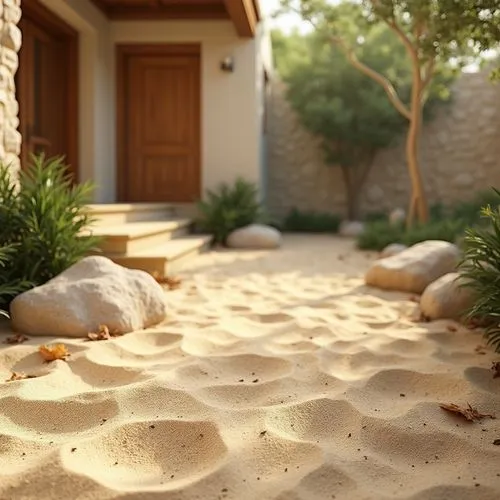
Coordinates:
x,y
227,64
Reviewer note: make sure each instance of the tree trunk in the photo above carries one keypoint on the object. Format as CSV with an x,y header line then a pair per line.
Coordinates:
x,y
352,191
418,204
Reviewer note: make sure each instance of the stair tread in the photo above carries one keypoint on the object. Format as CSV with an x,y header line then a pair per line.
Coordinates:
x,y
126,207
131,230
172,248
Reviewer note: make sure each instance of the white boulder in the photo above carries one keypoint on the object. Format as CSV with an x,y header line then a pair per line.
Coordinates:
x,y
446,298
397,216
413,269
351,228
92,292
255,236
392,249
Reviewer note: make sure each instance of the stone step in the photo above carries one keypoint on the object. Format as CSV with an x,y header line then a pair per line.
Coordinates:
x,y
131,237
166,258
120,213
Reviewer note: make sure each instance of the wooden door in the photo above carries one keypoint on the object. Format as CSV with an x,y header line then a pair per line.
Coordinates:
x,y
159,123
46,87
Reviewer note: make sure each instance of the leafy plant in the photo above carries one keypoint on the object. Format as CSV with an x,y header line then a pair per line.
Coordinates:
x,y
229,208
377,235
311,222
480,269
42,223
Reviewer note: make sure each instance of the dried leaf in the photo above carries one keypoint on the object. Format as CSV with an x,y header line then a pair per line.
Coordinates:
x,y
471,414
451,328
496,369
51,353
102,333
19,376
480,349
172,282
18,338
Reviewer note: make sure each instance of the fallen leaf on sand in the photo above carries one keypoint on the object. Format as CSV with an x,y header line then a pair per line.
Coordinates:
x,y
102,333
51,353
471,414
171,281
19,376
451,328
18,338
496,369
480,349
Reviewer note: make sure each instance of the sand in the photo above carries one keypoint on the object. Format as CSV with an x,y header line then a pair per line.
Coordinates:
x,y
277,376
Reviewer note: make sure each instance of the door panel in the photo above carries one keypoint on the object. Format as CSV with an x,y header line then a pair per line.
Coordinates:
x,y
46,91
162,122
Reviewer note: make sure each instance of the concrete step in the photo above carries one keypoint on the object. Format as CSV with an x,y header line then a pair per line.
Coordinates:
x,y
166,258
130,237
120,213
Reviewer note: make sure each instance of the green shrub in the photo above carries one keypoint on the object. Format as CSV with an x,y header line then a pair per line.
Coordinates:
x,y
481,269
229,208
470,211
378,235
41,224
311,222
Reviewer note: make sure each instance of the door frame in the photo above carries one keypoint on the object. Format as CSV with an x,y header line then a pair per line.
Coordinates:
x,y
40,15
123,52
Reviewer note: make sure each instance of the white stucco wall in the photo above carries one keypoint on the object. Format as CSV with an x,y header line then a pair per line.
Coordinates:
x,y
231,102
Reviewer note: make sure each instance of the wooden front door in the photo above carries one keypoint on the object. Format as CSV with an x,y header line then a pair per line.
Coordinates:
x,y
159,123
46,86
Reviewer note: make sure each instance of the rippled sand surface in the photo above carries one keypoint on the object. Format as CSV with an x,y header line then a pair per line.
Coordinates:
x,y
277,376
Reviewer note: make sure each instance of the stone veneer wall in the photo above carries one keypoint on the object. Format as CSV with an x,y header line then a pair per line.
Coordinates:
x,y
460,155
10,43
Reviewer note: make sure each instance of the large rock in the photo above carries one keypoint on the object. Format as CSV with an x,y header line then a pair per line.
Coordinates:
x,y
446,298
254,236
412,270
92,292
351,228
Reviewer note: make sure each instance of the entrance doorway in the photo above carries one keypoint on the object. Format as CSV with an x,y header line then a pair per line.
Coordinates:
x,y
46,86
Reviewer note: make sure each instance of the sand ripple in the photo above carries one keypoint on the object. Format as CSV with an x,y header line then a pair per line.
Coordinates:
x,y
278,375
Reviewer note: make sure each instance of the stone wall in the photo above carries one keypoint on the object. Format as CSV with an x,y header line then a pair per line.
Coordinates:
x,y
460,155
10,43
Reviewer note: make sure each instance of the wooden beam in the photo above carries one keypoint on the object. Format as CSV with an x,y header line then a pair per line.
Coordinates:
x,y
243,15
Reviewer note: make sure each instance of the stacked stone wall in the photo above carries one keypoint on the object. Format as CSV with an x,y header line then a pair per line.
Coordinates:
x,y
10,43
460,155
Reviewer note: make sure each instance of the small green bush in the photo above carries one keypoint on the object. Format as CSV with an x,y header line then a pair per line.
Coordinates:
x,y
311,222
41,224
481,269
229,208
378,235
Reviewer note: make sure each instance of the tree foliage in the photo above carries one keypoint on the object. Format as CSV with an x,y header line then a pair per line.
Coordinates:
x,y
432,32
344,107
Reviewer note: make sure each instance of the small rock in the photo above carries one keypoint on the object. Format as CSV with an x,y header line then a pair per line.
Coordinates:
x,y
92,292
351,228
255,236
446,298
397,216
413,269
392,249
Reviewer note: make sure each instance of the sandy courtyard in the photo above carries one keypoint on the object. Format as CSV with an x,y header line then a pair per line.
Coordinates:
x,y
277,376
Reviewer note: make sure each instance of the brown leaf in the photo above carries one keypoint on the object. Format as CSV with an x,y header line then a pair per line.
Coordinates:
x,y
18,338
480,349
471,414
496,369
172,282
451,328
102,333
19,376
51,353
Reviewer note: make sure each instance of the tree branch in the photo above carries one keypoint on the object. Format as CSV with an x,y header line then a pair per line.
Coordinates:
x,y
374,75
428,73
384,82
